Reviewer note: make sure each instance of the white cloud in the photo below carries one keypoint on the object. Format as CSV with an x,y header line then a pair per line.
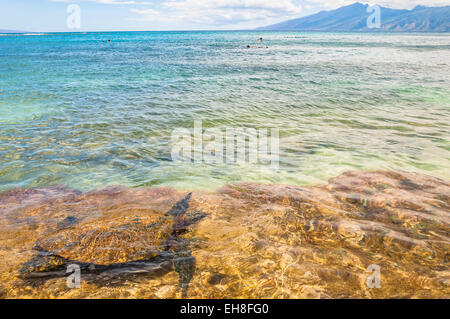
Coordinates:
x,y
220,13
116,2
236,14
283,5
397,4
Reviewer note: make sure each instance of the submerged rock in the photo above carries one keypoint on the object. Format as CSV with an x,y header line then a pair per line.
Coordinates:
x,y
244,241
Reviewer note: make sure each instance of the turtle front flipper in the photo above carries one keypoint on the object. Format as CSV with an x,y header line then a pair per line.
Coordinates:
x,y
181,207
183,261
184,264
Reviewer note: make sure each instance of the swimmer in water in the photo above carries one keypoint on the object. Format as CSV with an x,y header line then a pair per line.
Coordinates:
x,y
250,47
259,40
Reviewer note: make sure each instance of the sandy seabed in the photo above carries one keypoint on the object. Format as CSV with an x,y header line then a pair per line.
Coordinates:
x,y
256,241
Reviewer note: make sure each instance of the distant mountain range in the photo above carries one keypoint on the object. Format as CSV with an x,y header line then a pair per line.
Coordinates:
x,y
354,18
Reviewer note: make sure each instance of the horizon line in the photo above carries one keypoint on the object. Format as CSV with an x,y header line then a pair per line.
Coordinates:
x,y
12,32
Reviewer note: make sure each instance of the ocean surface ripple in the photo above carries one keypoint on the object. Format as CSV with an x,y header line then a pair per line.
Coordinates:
x,y
78,111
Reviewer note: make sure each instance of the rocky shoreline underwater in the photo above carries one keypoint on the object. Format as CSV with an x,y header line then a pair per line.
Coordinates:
x,y
245,240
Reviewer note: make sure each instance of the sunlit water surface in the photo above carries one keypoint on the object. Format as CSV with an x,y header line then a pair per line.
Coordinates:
x,y
81,113
85,113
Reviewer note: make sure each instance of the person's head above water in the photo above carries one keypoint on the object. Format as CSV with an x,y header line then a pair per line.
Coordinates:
x,y
260,39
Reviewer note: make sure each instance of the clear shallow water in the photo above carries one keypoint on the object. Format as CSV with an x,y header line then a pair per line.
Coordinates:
x,y
84,113
80,112
248,240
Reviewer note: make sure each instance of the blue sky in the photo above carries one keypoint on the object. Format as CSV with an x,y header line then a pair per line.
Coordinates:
x,y
103,15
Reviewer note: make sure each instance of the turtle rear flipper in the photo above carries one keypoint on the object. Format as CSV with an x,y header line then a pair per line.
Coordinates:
x,y
44,264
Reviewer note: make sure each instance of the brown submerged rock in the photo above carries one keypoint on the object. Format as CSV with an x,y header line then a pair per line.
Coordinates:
x,y
257,241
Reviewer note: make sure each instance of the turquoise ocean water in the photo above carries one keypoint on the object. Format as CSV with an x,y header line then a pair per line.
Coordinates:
x,y
78,111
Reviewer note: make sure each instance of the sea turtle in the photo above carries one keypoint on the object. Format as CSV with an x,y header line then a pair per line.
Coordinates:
x,y
148,244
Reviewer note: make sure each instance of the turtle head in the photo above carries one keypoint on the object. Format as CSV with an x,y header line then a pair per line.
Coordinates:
x,y
181,223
